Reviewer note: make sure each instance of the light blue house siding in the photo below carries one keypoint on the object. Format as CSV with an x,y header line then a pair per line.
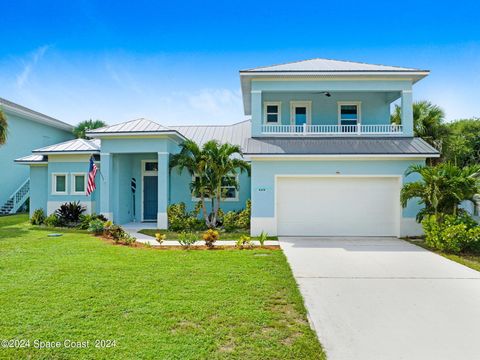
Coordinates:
x,y
24,135
39,188
375,106
264,173
375,95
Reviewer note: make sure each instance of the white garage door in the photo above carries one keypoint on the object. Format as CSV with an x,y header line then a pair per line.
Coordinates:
x,y
338,206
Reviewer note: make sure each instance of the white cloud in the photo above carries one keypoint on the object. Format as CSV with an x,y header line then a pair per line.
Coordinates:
x,y
29,64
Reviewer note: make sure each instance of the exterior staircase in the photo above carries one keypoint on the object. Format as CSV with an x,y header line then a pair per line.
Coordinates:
x,y
17,199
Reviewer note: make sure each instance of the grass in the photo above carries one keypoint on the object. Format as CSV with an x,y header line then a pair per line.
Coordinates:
x,y
469,260
173,235
155,304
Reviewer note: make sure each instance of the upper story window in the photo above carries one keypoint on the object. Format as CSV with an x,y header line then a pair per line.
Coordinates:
x,y
272,111
349,113
59,184
150,166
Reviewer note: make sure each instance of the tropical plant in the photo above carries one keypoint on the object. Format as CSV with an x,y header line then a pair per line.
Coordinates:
x,y
96,226
38,217
186,240
80,130
442,188
462,147
210,236
69,213
213,166
3,127
160,237
428,122
244,242
179,219
262,238
53,220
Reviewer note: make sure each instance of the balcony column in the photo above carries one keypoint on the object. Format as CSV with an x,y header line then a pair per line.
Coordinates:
x,y
256,111
163,189
106,171
407,113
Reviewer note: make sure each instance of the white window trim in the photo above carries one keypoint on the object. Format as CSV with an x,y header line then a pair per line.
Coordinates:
x,y
358,104
73,182
54,184
301,103
279,113
236,198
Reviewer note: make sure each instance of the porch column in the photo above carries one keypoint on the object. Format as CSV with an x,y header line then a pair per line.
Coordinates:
x,y
163,187
256,111
407,112
106,167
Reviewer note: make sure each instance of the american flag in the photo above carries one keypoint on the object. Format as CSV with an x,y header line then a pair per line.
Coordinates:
x,y
91,176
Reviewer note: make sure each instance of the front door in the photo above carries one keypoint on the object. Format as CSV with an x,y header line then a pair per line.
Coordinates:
x,y
150,198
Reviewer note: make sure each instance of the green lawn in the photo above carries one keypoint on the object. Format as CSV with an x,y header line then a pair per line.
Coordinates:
x,y
470,260
172,304
172,235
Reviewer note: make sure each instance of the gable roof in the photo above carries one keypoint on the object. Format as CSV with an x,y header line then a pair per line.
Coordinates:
x,y
328,65
19,110
32,159
136,126
406,146
71,146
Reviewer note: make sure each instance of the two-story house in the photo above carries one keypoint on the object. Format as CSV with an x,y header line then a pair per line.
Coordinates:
x,y
326,160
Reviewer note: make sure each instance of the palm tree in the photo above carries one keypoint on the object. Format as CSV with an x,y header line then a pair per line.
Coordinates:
x,y
3,127
428,122
212,167
442,188
84,126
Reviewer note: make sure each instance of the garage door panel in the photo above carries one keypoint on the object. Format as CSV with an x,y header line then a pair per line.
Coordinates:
x,y
337,206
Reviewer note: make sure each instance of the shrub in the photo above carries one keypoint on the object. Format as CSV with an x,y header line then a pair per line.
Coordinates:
x,y
230,220
160,237
210,236
128,239
96,226
53,221
87,218
187,239
245,242
115,232
69,213
450,233
181,220
262,238
243,221
38,217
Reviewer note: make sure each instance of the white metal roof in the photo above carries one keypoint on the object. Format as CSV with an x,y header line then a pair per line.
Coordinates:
x,y
32,159
77,145
132,126
236,134
11,107
321,65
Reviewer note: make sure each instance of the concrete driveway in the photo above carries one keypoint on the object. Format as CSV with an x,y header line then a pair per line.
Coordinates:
x,y
383,298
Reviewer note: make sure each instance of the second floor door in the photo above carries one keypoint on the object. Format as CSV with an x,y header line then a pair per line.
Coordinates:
x,y
300,113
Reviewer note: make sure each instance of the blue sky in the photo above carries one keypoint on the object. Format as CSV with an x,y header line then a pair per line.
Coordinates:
x,y
178,62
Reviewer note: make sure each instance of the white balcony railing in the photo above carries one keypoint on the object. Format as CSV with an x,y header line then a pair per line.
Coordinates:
x,y
340,130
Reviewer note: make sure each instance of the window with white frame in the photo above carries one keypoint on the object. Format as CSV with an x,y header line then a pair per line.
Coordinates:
x,y
79,184
272,111
349,113
59,184
229,190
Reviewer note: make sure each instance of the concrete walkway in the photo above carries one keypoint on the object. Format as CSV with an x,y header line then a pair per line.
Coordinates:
x,y
134,228
384,298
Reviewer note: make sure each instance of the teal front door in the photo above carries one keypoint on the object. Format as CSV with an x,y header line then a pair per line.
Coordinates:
x,y
150,198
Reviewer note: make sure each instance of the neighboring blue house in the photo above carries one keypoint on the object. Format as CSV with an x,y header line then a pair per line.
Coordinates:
x,y
27,130
326,161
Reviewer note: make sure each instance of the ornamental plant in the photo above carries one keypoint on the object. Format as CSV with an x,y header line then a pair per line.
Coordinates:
x,y
210,236
160,237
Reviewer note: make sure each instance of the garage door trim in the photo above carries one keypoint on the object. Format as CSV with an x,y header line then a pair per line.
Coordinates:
x,y
279,176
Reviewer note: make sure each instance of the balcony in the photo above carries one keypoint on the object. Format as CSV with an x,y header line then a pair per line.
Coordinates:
x,y
333,130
